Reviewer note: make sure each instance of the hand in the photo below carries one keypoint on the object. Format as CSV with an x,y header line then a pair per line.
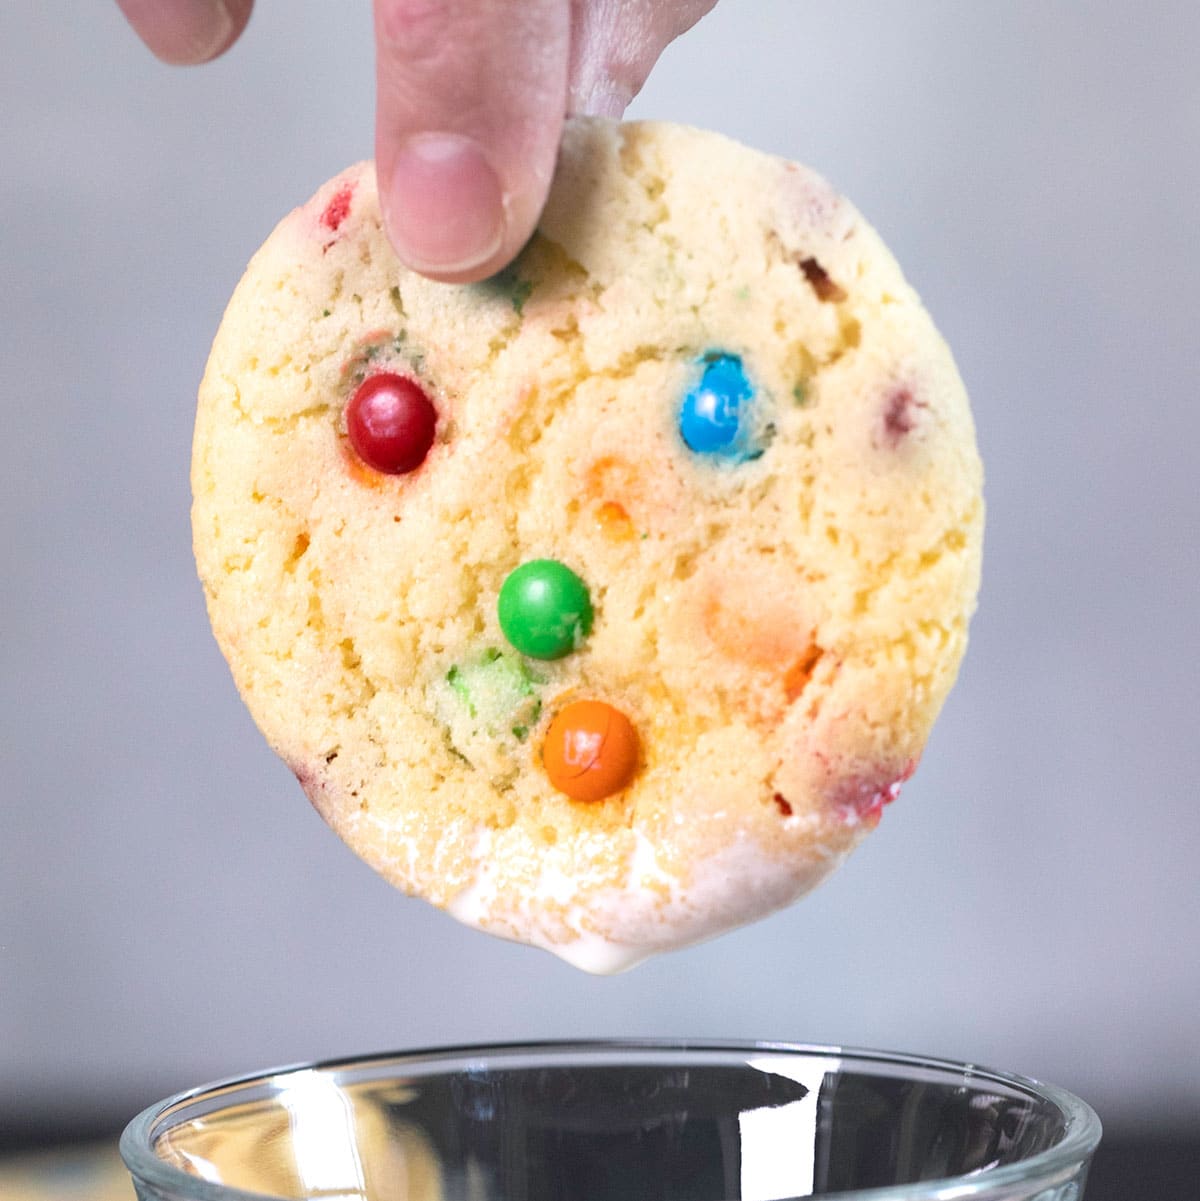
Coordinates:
x,y
471,100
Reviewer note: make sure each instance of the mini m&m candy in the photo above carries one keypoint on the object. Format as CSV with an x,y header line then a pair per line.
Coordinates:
x,y
590,751
497,689
715,418
544,609
391,422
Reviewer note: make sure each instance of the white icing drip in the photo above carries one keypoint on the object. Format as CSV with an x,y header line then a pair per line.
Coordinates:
x,y
613,929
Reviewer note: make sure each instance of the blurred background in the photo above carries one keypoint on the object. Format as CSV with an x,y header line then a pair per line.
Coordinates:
x,y
171,909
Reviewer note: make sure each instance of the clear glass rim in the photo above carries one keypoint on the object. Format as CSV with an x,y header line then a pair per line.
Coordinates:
x,y
1055,1164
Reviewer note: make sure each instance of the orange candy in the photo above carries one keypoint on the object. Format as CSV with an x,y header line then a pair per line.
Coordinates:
x,y
614,521
591,751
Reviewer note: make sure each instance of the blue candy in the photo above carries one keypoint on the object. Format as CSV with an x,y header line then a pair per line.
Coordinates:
x,y
715,417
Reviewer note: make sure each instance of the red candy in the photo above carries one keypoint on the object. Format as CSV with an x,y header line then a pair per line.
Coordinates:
x,y
338,208
901,416
861,798
391,423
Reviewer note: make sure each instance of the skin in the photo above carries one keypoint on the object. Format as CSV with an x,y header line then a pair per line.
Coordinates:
x,y
471,95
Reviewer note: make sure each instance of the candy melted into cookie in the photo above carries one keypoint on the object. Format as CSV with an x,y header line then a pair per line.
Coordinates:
x,y
608,603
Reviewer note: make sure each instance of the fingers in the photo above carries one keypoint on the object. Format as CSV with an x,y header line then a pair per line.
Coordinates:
x,y
614,45
471,99
187,31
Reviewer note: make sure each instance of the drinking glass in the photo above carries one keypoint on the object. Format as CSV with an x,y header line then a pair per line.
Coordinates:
x,y
617,1121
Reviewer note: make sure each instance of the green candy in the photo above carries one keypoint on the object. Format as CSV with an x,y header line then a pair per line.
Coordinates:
x,y
544,609
498,691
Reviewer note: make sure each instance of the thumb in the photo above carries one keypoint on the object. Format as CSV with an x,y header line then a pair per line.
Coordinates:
x,y
471,98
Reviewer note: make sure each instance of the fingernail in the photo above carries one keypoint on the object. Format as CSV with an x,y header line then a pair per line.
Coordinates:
x,y
194,34
222,21
213,35
445,210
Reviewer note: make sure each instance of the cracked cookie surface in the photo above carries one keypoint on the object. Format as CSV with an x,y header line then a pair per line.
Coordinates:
x,y
780,625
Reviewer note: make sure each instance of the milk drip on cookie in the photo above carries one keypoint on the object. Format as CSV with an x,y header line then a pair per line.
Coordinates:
x,y
605,604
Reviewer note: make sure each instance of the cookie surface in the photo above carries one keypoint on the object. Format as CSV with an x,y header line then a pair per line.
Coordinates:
x,y
705,391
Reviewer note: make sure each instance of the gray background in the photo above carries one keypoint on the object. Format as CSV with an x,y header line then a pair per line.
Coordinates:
x,y
170,907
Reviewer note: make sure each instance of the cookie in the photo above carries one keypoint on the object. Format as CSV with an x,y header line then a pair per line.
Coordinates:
x,y
604,604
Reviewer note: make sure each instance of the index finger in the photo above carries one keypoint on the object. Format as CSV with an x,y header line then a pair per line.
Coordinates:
x,y
471,103
187,31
